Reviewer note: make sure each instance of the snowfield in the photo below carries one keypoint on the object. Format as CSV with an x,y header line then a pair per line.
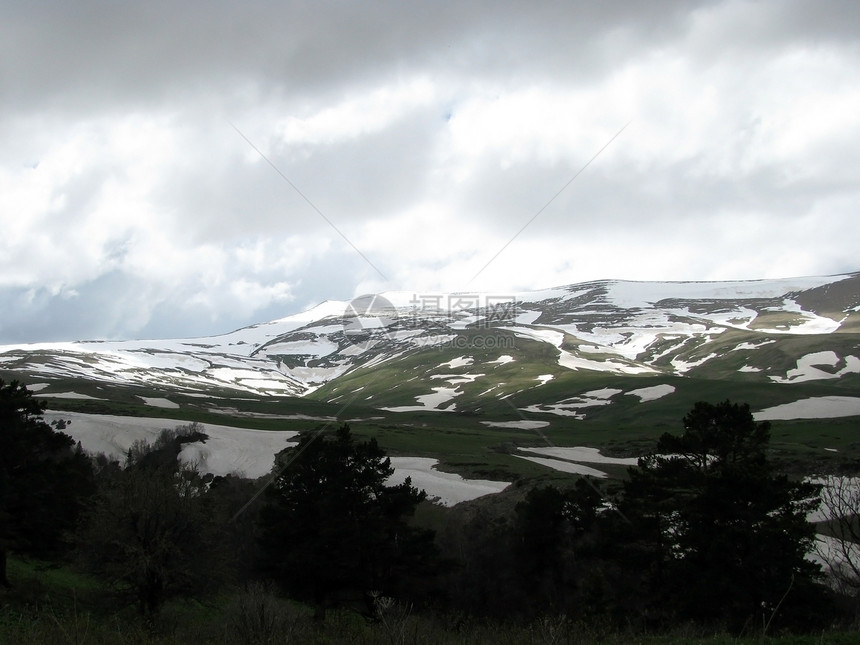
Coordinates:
x,y
808,368
251,452
159,402
571,460
652,393
565,466
617,327
818,407
582,454
569,407
444,488
521,425
228,449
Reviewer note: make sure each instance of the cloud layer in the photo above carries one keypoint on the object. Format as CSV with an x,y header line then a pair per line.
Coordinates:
x,y
179,171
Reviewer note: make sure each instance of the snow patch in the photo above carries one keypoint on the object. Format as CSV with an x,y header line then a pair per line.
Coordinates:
x,y
806,369
818,407
460,361
602,393
430,402
228,449
519,425
652,393
569,407
682,366
565,466
641,295
582,454
159,402
445,488
70,395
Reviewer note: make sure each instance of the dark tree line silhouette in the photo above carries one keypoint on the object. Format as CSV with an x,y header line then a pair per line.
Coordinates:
x,y
704,530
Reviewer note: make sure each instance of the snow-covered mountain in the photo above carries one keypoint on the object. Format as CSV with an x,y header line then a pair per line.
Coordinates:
x,y
778,331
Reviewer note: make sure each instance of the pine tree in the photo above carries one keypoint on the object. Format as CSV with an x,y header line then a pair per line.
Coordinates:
x,y
728,534
43,478
332,531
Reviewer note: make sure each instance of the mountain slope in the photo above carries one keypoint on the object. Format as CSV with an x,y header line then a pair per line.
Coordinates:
x,y
409,352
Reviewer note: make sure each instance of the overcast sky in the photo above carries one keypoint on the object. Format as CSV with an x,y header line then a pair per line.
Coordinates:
x,y
182,169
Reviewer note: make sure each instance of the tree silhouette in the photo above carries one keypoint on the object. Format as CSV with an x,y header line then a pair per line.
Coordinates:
x,y
332,531
728,534
43,478
150,530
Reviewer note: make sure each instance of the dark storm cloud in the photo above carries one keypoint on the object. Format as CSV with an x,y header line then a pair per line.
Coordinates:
x,y
427,133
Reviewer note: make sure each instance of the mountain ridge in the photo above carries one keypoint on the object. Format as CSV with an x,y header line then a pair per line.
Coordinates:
x,y
750,330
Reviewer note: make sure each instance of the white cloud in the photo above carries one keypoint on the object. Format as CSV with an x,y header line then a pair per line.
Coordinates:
x,y
129,204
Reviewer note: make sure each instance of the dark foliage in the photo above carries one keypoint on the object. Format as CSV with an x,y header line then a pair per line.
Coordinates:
x,y
333,532
150,529
719,536
44,477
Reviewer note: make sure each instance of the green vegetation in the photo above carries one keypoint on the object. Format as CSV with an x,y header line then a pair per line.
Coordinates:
x,y
685,548
332,531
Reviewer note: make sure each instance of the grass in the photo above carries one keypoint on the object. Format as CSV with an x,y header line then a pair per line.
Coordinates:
x,y
463,444
48,606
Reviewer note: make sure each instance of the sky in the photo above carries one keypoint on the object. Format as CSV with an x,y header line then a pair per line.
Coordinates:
x,y
173,170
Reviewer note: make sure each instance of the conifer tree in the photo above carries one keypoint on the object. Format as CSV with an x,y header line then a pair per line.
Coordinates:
x,y
332,530
728,533
44,477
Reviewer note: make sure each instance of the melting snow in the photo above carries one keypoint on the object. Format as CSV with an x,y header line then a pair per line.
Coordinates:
x,y
460,361
602,393
527,317
69,395
565,466
458,379
159,402
652,393
583,454
568,360
445,488
227,450
806,370
682,366
568,407
430,401
819,407
746,345
520,425
632,295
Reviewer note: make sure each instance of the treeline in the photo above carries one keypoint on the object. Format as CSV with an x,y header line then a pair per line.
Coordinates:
x,y
704,532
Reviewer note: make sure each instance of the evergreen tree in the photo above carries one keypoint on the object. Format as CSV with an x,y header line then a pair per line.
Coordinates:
x,y
332,531
43,478
728,534
149,531
552,531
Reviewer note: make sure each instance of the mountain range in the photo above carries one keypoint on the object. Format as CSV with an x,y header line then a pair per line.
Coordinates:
x,y
627,357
